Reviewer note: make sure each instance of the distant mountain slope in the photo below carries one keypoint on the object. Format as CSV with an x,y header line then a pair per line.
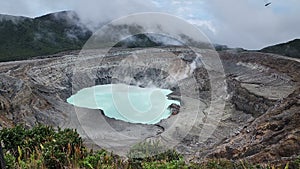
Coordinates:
x,y
291,49
22,38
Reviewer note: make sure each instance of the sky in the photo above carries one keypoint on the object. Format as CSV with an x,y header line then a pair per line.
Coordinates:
x,y
236,23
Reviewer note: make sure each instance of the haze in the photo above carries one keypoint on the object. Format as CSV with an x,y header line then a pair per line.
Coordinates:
x,y
236,23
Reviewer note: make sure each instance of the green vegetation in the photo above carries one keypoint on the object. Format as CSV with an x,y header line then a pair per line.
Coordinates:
x,y
291,49
46,147
23,38
139,40
41,147
154,155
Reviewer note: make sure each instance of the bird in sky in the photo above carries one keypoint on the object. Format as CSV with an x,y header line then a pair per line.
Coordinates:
x,y
267,4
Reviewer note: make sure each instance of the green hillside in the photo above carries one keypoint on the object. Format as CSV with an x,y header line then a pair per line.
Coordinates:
x,y
22,38
291,49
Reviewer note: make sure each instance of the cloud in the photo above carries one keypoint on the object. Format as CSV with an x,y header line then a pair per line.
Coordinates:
x,y
31,8
237,23
99,11
91,12
250,24
94,9
203,24
240,23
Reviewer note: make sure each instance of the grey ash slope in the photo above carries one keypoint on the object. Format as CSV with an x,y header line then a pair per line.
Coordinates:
x,y
262,105
260,121
273,100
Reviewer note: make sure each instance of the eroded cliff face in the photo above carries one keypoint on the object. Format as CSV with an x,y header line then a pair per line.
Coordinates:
x,y
273,135
259,121
29,91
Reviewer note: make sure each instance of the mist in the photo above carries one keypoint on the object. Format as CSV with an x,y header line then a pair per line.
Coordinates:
x,y
247,24
251,25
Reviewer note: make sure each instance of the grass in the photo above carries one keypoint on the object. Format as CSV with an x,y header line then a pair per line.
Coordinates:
x,y
45,147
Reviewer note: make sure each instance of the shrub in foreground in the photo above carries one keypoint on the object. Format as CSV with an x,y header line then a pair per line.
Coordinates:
x,y
46,147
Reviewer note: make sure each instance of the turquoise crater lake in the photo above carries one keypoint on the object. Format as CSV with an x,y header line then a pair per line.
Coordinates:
x,y
128,103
